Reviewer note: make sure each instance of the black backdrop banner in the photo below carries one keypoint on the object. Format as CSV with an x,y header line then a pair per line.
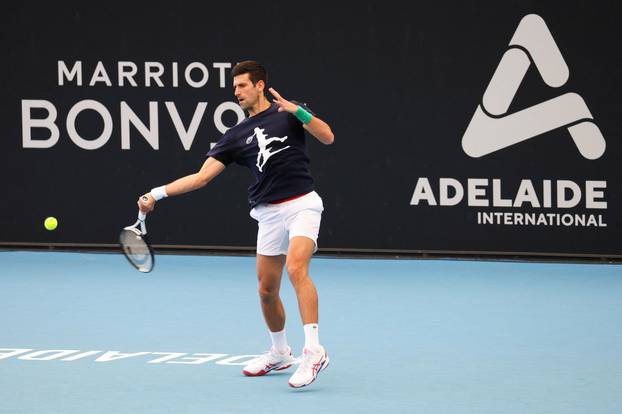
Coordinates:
x,y
460,127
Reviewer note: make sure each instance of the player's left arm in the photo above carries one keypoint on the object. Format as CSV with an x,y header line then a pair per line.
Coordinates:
x,y
316,127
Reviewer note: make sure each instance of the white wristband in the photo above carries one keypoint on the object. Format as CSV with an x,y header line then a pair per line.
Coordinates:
x,y
159,193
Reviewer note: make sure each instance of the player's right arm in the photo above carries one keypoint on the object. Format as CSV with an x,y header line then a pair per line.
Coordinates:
x,y
210,169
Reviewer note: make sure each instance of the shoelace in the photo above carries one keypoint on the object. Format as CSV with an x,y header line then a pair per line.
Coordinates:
x,y
266,356
263,357
306,362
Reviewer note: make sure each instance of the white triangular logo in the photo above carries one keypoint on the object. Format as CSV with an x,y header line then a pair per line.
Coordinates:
x,y
491,129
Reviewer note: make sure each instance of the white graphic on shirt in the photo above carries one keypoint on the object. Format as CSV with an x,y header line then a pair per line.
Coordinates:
x,y
264,152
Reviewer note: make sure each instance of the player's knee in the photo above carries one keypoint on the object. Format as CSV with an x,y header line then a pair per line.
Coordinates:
x,y
268,294
297,272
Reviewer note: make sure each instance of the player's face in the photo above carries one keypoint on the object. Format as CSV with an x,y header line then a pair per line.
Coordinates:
x,y
244,90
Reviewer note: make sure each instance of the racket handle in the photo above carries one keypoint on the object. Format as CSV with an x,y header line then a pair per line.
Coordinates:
x,y
142,216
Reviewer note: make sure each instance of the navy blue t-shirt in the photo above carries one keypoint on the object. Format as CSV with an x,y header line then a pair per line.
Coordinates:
x,y
273,145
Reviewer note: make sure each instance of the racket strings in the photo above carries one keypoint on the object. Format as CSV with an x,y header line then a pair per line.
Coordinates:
x,y
137,250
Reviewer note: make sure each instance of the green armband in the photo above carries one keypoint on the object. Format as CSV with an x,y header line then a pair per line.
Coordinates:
x,y
304,116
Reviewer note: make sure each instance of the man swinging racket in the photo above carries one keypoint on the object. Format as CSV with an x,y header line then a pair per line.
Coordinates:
x,y
271,143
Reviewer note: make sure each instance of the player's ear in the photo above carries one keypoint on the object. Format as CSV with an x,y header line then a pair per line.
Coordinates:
x,y
261,85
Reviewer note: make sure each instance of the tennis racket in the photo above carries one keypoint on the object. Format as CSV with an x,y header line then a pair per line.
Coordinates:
x,y
135,245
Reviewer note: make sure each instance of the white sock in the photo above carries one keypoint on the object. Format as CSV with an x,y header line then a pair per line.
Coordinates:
x,y
279,341
312,338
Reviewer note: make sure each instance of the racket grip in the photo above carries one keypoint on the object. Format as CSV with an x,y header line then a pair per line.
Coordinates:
x,y
141,216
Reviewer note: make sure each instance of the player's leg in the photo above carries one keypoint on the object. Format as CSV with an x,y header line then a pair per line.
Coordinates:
x,y
303,217
270,260
301,249
303,222
314,358
269,272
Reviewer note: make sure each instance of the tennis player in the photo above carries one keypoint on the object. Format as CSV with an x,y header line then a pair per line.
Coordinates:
x,y
271,143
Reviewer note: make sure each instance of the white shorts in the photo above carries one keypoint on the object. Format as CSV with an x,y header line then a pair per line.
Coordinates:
x,y
279,223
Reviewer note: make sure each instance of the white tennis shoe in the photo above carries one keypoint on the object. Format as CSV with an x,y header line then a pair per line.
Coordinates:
x,y
270,361
311,364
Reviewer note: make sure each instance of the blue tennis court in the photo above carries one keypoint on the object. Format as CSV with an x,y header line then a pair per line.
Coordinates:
x,y
86,333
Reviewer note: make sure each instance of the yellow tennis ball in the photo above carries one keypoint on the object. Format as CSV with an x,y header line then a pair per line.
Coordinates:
x,y
50,223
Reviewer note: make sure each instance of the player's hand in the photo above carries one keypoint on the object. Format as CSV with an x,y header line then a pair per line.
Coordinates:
x,y
146,203
284,104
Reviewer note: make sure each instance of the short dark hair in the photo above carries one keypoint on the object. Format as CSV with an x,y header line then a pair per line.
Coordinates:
x,y
255,70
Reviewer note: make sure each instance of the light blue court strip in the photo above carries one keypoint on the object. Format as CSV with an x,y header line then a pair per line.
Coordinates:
x,y
404,336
